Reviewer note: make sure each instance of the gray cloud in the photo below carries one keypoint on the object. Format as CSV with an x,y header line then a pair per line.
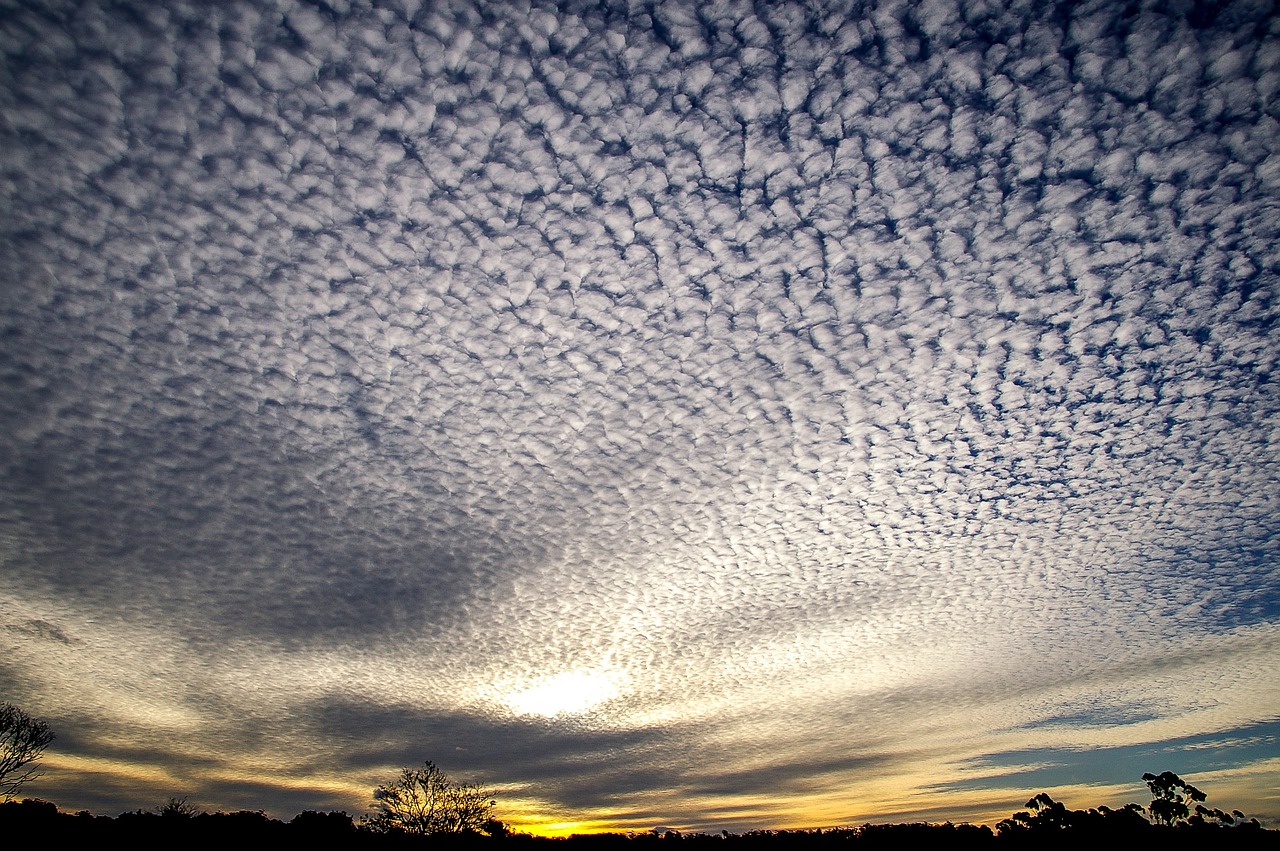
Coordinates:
x,y
793,374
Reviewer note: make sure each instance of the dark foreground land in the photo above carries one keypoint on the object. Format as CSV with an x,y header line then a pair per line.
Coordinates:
x,y
42,822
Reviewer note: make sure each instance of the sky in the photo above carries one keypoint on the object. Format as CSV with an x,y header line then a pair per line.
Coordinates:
x,y
712,415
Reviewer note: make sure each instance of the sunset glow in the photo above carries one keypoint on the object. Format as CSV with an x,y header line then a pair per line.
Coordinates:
x,y
706,415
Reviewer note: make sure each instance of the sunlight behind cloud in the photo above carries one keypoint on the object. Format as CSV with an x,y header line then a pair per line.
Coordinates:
x,y
567,693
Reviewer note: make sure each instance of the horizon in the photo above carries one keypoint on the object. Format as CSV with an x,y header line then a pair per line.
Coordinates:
x,y
720,415
548,829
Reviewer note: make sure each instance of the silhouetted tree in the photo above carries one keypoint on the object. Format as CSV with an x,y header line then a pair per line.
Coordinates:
x,y
1045,814
1127,819
1173,798
178,808
1172,805
917,835
424,802
1177,804
318,825
1048,818
222,829
22,741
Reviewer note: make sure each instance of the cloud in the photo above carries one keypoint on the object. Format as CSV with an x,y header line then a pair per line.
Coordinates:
x,y
898,377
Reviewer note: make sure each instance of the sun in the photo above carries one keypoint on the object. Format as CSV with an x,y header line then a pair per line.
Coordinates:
x,y
568,693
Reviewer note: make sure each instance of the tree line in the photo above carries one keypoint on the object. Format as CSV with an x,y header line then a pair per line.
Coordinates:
x,y
424,804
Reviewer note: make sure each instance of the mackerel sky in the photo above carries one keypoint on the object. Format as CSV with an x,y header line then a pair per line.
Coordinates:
x,y
719,415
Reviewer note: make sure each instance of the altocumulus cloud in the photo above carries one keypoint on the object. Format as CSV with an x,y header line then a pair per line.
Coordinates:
x,y
825,398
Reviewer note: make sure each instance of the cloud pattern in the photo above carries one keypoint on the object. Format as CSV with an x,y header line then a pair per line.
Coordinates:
x,y
852,387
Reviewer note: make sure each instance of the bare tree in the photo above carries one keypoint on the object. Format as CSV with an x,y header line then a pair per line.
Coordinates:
x,y
22,741
468,808
425,801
